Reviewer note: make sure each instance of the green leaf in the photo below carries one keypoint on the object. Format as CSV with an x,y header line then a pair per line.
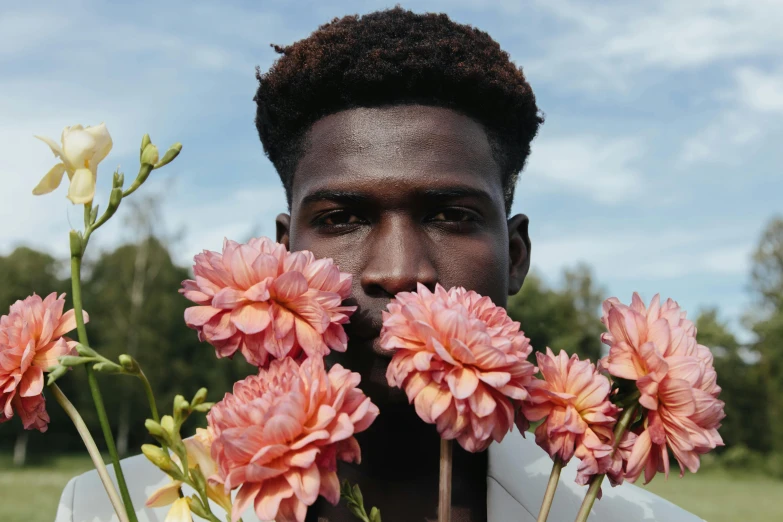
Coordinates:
x,y
357,495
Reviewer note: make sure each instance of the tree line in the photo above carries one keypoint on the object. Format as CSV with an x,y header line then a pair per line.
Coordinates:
x,y
132,292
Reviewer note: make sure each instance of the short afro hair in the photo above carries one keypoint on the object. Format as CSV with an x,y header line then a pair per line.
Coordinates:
x,y
396,57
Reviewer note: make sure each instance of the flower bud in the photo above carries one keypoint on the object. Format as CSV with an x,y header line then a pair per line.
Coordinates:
x,y
167,423
115,198
145,140
107,367
204,407
128,363
73,360
155,429
76,243
56,373
149,156
180,406
199,398
195,506
119,180
172,153
198,478
93,214
85,351
156,455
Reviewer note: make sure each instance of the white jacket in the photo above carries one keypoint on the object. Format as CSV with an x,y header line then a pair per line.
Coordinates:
x,y
517,478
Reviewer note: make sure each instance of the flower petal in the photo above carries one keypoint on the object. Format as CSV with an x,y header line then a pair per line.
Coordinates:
x,y
51,181
82,189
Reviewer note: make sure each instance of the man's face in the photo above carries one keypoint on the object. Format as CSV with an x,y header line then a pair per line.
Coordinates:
x,y
402,195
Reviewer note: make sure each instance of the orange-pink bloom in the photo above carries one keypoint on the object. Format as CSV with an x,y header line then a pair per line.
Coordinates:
x,y
31,340
657,348
573,398
262,300
460,359
279,435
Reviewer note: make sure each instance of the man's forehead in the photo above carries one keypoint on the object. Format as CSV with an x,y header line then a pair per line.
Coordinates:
x,y
410,147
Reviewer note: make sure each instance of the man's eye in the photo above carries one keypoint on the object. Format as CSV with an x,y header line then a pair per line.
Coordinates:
x,y
339,218
454,215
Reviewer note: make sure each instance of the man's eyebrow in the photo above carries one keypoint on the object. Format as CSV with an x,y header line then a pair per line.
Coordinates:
x,y
341,196
358,198
456,192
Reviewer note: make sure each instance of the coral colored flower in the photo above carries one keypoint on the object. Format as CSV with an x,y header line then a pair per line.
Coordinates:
x,y
460,359
31,340
199,453
81,150
279,435
262,300
615,465
657,348
573,398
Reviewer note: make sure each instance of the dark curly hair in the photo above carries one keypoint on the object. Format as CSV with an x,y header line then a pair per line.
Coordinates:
x,y
396,57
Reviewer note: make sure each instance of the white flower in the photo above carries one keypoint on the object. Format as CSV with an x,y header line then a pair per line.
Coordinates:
x,y
81,151
179,512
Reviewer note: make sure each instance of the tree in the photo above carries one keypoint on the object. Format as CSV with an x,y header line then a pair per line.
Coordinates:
x,y
767,270
767,323
566,318
744,391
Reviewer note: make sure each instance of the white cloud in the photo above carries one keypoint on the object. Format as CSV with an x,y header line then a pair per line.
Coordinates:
x,y
756,102
599,168
760,90
719,140
635,255
606,44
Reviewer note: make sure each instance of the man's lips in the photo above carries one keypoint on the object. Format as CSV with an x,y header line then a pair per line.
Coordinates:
x,y
365,328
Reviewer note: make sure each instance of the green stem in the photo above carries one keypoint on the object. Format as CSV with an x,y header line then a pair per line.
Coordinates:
x,y
151,400
549,494
92,450
595,484
76,265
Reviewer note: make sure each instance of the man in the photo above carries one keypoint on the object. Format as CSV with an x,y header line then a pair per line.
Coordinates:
x,y
399,138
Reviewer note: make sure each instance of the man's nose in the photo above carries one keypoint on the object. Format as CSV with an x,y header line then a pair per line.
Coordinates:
x,y
398,259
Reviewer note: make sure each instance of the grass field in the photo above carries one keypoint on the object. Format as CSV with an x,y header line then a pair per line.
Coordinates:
x,y
30,494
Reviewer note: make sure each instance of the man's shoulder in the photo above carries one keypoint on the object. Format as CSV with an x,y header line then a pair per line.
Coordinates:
x,y
518,474
84,498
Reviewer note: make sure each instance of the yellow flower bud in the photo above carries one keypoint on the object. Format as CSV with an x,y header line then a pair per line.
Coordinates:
x,y
172,153
167,423
157,456
149,156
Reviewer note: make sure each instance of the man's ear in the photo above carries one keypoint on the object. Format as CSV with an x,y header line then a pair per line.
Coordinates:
x,y
283,226
518,252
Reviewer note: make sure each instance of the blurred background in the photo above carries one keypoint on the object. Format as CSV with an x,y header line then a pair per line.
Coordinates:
x,y
657,170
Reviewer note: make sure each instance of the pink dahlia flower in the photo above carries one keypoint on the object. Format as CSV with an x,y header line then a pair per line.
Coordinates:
x,y
573,398
657,348
460,359
31,340
279,435
616,464
262,300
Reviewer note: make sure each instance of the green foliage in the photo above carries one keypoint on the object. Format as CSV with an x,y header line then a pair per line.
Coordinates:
x,y
744,390
562,319
355,503
767,323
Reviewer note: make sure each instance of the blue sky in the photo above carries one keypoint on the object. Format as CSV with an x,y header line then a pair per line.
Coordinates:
x,y
659,162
